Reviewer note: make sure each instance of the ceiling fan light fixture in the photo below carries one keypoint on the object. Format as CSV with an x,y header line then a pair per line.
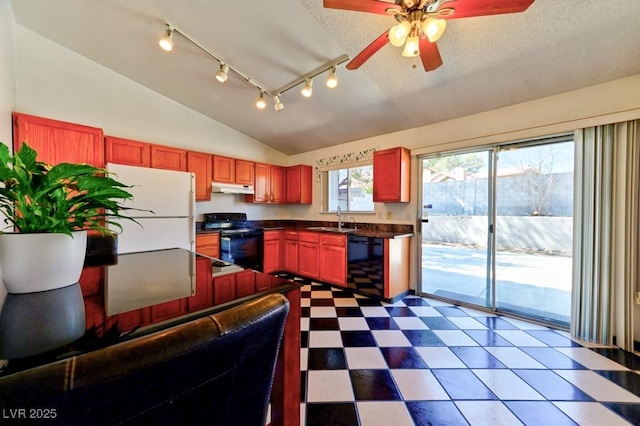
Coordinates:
x,y
277,103
411,47
398,33
166,42
433,28
260,102
332,80
223,73
306,89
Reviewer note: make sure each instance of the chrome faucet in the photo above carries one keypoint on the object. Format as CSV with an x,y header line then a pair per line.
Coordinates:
x,y
355,225
339,213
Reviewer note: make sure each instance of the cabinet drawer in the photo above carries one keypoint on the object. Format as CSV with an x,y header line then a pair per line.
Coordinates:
x,y
311,237
208,244
271,235
333,240
291,235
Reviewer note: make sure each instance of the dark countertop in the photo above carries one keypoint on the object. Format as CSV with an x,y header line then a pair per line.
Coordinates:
x,y
389,231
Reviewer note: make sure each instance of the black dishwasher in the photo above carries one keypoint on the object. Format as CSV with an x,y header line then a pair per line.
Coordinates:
x,y
365,264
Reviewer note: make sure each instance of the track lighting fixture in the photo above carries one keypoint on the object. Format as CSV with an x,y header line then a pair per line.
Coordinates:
x,y
332,80
277,103
307,90
222,73
260,102
166,42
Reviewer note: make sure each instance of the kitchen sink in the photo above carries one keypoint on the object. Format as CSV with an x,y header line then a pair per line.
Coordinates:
x,y
331,229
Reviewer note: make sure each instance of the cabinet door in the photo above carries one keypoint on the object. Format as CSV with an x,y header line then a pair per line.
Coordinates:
x,y
168,310
263,282
244,172
224,288
200,164
278,181
291,256
245,283
58,141
309,259
333,264
165,157
125,151
203,297
299,184
391,175
272,259
262,184
224,169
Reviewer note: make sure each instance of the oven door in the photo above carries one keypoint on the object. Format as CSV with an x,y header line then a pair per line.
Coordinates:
x,y
243,250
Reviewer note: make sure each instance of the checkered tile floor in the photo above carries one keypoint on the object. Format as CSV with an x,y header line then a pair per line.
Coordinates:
x,y
423,362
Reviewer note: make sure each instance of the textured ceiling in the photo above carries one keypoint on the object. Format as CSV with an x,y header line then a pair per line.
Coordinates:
x,y
489,62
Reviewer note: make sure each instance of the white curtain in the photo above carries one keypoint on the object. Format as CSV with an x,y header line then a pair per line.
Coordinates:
x,y
606,233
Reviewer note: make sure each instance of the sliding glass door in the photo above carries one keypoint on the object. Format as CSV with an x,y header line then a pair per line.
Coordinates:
x,y
534,228
497,228
455,227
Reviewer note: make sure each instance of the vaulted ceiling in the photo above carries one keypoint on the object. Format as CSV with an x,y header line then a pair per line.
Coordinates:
x,y
489,62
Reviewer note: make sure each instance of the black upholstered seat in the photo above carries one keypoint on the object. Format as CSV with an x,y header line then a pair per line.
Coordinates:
x,y
214,370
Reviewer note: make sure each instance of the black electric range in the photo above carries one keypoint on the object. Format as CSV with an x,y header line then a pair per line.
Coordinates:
x,y
240,243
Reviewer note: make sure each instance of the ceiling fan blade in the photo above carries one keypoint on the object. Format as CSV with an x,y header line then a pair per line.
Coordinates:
x,y
370,6
468,8
368,51
430,55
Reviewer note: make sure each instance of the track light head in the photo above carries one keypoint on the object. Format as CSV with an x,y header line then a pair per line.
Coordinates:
x,y
332,80
260,102
166,42
223,73
307,90
277,103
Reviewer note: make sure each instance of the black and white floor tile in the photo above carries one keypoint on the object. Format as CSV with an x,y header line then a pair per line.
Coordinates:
x,y
423,362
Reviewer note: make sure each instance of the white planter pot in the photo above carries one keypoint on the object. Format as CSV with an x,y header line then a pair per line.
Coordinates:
x,y
42,261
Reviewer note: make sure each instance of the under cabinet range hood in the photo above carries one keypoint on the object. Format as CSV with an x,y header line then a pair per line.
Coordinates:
x,y
231,188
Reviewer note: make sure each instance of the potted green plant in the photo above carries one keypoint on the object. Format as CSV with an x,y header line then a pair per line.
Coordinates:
x,y
48,210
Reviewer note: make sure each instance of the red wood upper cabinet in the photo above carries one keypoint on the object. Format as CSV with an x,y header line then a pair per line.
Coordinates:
x,y
165,157
125,151
244,172
392,175
299,184
224,169
200,164
278,182
58,141
262,184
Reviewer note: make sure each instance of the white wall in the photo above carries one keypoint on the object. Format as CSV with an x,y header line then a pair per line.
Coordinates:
x,y
7,70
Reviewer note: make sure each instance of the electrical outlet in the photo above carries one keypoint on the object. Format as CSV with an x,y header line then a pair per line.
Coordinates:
x,y
388,215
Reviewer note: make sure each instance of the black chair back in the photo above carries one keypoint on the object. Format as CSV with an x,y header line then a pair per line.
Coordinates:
x,y
216,370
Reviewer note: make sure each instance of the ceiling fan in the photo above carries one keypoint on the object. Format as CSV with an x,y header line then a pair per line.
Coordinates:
x,y
421,22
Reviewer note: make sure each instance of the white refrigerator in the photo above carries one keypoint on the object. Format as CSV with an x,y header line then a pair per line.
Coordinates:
x,y
156,259
170,196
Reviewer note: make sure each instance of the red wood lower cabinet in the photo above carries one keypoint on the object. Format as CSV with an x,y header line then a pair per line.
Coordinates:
x,y
224,288
333,259
272,259
168,310
309,254
245,283
204,292
263,282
